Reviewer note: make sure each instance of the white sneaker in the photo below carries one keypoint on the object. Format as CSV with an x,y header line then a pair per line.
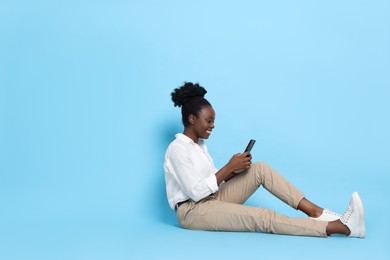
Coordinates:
x,y
353,217
328,215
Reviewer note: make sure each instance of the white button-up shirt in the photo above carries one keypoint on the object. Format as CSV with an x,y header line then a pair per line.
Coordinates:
x,y
189,171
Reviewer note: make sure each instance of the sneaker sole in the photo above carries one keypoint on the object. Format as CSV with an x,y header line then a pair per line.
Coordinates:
x,y
360,208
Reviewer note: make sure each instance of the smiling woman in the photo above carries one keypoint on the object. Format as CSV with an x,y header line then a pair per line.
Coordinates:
x,y
210,199
203,124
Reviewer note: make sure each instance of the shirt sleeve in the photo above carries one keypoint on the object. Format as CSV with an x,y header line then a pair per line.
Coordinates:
x,y
187,175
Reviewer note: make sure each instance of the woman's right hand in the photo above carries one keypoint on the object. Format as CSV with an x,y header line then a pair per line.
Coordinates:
x,y
240,162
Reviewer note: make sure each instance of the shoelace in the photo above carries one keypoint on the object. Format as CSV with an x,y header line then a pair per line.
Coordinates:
x,y
347,215
331,213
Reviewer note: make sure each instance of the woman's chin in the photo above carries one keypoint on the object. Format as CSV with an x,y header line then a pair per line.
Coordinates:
x,y
207,135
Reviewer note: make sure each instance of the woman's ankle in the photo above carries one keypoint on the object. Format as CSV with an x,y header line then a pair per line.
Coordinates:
x,y
336,227
309,208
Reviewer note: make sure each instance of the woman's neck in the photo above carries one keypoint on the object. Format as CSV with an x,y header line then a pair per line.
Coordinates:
x,y
191,135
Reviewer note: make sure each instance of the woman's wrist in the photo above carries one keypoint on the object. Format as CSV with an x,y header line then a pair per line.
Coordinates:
x,y
229,168
230,176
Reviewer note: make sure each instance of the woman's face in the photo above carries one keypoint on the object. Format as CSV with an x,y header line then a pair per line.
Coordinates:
x,y
204,123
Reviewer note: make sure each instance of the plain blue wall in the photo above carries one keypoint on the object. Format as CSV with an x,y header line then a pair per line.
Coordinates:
x,y
86,113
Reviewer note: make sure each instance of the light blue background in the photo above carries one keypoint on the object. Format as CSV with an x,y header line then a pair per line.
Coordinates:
x,y
86,117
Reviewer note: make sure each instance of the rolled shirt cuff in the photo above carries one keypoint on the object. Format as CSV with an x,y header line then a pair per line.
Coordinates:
x,y
211,182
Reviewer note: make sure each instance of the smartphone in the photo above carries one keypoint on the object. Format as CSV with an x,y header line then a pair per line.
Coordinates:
x,y
250,145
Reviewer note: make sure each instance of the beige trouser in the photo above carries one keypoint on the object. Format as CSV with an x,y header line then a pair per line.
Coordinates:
x,y
223,211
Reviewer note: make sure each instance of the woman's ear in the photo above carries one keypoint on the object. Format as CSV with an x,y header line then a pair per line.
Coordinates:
x,y
192,119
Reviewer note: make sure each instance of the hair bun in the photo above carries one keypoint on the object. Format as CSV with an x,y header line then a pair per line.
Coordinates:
x,y
189,90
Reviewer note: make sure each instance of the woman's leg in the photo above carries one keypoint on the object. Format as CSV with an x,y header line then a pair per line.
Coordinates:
x,y
222,211
213,214
240,188
336,227
309,208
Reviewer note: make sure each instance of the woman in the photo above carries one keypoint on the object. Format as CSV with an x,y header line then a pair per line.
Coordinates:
x,y
206,198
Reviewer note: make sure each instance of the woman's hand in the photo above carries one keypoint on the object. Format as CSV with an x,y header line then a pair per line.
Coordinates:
x,y
240,162
237,164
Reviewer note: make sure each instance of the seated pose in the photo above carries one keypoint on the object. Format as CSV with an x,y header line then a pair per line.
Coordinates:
x,y
206,198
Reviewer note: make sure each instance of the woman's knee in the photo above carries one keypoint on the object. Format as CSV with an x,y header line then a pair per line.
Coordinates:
x,y
260,167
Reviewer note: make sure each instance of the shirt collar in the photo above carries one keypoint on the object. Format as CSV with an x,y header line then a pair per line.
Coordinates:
x,y
188,140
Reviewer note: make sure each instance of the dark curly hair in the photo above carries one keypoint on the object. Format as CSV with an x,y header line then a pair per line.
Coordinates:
x,y
190,97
